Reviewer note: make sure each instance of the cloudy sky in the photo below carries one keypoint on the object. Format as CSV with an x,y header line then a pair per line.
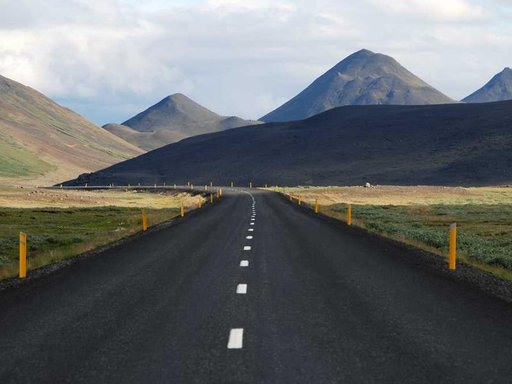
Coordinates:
x,y
109,60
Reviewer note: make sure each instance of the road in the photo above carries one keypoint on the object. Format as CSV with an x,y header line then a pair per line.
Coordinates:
x,y
316,303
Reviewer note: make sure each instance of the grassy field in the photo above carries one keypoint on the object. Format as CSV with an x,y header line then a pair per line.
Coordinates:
x,y
421,216
60,224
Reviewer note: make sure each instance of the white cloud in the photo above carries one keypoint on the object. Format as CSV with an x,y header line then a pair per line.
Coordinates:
x,y
111,59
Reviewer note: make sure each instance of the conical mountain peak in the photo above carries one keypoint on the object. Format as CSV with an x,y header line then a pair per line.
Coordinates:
x,y
362,78
499,88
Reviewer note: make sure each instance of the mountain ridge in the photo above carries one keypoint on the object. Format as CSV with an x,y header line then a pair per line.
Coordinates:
x,y
445,144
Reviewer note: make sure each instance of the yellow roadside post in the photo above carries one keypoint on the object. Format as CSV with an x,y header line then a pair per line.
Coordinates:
x,y
182,210
316,205
174,186
220,192
205,187
23,256
200,205
299,200
144,221
231,184
349,214
266,186
211,184
250,184
453,247
192,187
211,198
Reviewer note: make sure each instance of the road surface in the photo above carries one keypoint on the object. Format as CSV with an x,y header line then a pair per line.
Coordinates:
x,y
225,296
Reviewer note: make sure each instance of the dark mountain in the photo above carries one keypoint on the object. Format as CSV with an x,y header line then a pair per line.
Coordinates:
x,y
172,119
450,144
42,142
499,88
363,78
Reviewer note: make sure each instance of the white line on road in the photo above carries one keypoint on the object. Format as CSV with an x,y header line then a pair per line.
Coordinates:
x,y
251,229
236,336
251,223
241,289
247,248
248,237
244,263
253,219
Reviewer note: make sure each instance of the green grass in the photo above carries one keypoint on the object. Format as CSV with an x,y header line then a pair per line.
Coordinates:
x,y
15,161
484,231
55,234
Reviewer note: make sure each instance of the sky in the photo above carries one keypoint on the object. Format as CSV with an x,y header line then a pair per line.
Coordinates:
x,y
109,60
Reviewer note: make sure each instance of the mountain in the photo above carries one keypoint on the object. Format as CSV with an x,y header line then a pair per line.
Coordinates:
x,y
172,119
448,144
499,88
42,142
363,78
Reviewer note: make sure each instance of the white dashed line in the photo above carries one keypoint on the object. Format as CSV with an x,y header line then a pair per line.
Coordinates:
x,y
241,289
236,336
251,229
251,223
244,263
249,237
247,248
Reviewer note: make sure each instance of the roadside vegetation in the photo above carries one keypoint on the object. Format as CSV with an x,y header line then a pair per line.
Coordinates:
x,y
63,223
420,216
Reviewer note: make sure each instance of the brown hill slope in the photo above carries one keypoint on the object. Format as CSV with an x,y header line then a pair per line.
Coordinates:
x,y
42,142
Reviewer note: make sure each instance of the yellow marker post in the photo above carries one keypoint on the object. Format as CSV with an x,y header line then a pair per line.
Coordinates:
x,y
349,214
232,184
205,187
144,221
182,210
192,187
250,184
211,198
299,200
316,205
23,256
220,192
266,186
200,205
453,247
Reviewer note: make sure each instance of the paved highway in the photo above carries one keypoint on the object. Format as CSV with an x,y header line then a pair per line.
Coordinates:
x,y
252,290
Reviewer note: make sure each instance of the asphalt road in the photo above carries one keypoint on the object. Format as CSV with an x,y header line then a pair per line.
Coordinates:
x,y
322,304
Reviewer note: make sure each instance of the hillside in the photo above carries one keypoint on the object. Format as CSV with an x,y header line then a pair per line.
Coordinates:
x,y
450,144
499,88
363,78
43,142
172,119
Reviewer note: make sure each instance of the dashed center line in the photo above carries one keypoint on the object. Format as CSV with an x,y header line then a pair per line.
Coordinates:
x,y
251,229
236,337
241,289
244,263
247,248
251,223
248,237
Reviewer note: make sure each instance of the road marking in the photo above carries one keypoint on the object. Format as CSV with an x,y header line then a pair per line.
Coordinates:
x,y
251,229
244,263
248,237
251,223
236,336
241,289
247,248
